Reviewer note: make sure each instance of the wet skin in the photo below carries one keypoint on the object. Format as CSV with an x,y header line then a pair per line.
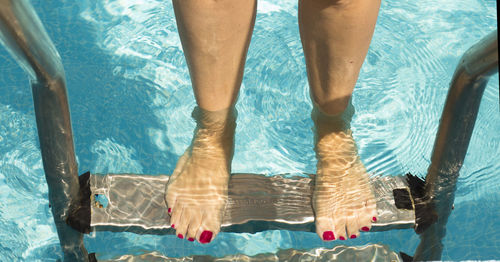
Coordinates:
x,y
197,190
215,37
343,199
196,196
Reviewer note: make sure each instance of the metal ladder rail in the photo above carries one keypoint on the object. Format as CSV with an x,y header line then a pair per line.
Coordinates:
x,y
452,140
24,36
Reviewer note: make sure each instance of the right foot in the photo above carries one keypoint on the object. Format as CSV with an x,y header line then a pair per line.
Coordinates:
x,y
343,200
197,189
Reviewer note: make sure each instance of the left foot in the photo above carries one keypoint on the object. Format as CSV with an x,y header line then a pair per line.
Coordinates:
x,y
343,200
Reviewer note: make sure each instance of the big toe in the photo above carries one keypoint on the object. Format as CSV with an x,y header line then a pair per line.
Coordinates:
x,y
210,225
325,228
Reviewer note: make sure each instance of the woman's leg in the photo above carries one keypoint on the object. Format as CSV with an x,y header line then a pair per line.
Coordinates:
x,y
335,36
215,36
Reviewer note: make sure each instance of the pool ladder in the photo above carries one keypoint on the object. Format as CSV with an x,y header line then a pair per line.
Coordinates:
x,y
256,202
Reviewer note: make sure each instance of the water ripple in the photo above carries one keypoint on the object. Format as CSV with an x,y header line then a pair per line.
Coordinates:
x,y
398,98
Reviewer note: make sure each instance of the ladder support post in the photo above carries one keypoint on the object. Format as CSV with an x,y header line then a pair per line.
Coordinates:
x,y
452,140
24,36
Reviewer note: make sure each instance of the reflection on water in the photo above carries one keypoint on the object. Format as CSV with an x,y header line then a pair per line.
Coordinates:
x,y
131,101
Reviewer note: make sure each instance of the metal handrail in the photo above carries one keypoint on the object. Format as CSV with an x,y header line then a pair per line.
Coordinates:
x,y
24,36
452,140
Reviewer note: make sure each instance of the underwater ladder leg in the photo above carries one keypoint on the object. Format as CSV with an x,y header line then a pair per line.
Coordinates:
x,y
24,36
452,141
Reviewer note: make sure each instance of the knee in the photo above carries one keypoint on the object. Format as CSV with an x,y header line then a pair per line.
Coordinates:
x,y
337,4
342,3
334,106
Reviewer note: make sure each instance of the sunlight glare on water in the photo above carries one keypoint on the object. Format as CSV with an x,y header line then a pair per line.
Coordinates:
x,y
131,103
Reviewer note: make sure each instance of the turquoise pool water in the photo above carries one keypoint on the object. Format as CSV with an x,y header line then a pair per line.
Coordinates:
x,y
131,100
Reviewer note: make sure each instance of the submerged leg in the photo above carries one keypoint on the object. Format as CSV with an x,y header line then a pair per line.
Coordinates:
x,y
215,36
335,36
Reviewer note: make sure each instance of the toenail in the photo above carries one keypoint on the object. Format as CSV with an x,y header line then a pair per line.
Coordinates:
x,y
173,225
342,238
169,210
206,236
191,239
374,219
365,229
328,235
180,236
353,236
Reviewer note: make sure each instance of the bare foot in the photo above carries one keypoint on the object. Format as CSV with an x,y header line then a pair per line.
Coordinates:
x,y
197,190
343,200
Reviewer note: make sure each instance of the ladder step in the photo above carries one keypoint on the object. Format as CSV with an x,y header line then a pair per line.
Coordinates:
x,y
135,203
374,252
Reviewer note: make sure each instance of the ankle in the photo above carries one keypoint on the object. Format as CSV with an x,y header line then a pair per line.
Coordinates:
x,y
220,121
214,131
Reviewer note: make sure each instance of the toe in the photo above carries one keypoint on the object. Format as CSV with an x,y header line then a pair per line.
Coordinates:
x,y
193,227
179,235
181,226
324,228
209,227
365,221
205,236
371,209
170,199
365,228
170,194
366,215
175,217
339,224
352,226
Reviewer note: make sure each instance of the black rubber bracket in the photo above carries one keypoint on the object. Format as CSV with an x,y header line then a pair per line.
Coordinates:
x,y
406,257
92,257
402,198
79,213
425,213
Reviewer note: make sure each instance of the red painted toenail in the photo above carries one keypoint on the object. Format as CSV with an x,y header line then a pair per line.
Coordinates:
x,y
374,219
169,210
365,229
353,236
191,239
328,235
342,238
180,236
206,236
173,226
